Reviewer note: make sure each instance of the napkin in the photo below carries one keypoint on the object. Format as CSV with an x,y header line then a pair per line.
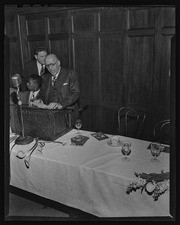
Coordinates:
x,y
79,140
165,148
99,136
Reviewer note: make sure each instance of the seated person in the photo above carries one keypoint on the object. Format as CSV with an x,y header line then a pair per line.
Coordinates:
x,y
28,97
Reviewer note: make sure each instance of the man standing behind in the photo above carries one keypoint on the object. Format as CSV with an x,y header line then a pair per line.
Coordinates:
x,y
35,66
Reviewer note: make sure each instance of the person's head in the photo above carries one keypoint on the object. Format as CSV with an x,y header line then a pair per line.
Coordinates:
x,y
34,82
52,64
40,54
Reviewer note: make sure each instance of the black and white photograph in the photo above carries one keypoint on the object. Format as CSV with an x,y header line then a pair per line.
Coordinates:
x,y
89,106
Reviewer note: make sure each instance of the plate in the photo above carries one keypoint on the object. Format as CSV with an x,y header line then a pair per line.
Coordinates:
x,y
113,145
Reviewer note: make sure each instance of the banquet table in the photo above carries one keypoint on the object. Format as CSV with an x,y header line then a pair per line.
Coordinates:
x,y
92,177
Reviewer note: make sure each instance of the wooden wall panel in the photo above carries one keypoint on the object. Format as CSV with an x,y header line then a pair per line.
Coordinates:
x,y
141,19
91,117
11,30
15,59
58,36
138,88
168,17
35,33
83,22
58,24
86,66
112,63
165,24
35,26
111,20
86,62
60,48
109,122
164,71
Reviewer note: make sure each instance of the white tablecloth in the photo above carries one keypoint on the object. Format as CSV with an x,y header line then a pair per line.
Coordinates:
x,y
92,178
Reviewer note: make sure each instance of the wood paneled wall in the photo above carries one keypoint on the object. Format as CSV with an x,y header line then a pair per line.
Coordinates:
x,y
121,54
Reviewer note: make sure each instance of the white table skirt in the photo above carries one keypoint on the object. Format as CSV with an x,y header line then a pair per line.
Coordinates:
x,y
92,178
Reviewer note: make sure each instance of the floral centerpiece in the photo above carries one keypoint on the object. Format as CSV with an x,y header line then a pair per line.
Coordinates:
x,y
154,184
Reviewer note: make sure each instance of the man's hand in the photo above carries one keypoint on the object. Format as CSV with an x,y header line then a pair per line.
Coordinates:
x,y
54,105
39,103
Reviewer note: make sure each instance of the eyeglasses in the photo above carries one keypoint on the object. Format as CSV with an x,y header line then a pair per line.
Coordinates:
x,y
51,64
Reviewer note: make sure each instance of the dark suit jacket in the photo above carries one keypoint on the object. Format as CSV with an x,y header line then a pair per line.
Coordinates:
x,y
24,97
66,86
66,89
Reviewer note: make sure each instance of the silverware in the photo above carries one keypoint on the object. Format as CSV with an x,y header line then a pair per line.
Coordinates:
x,y
28,158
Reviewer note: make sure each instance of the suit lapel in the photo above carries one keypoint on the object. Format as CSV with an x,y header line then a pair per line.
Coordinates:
x,y
44,91
61,77
35,66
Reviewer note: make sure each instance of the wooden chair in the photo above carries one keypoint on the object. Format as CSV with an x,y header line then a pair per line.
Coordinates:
x,y
161,131
131,121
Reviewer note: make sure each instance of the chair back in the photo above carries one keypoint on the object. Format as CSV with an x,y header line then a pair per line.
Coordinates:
x,y
131,121
161,131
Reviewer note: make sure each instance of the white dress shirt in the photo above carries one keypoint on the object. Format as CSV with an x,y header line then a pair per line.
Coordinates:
x,y
39,65
32,96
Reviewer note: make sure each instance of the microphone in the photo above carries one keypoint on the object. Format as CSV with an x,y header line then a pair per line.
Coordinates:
x,y
22,139
16,80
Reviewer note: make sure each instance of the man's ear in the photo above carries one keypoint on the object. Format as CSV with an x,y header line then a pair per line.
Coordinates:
x,y
35,56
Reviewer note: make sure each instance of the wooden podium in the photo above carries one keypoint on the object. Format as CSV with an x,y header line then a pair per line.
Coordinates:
x,y
46,124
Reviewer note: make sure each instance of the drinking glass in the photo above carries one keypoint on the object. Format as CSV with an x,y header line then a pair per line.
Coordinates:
x,y
155,151
78,124
126,150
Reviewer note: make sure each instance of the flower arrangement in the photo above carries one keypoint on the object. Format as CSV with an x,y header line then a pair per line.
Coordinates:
x,y
154,184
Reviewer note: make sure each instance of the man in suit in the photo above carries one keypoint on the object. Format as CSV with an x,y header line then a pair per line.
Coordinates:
x,y
28,97
34,66
61,89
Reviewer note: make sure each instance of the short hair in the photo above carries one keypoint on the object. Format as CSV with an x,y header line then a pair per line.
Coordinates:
x,y
40,49
37,78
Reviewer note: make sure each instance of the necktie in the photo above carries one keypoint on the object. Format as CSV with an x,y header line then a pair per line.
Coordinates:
x,y
53,80
42,70
31,99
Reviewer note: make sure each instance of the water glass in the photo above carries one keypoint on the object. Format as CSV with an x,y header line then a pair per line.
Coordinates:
x,y
155,151
78,124
126,150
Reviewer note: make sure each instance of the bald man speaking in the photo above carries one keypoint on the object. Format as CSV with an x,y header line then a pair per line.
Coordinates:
x,y
61,88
